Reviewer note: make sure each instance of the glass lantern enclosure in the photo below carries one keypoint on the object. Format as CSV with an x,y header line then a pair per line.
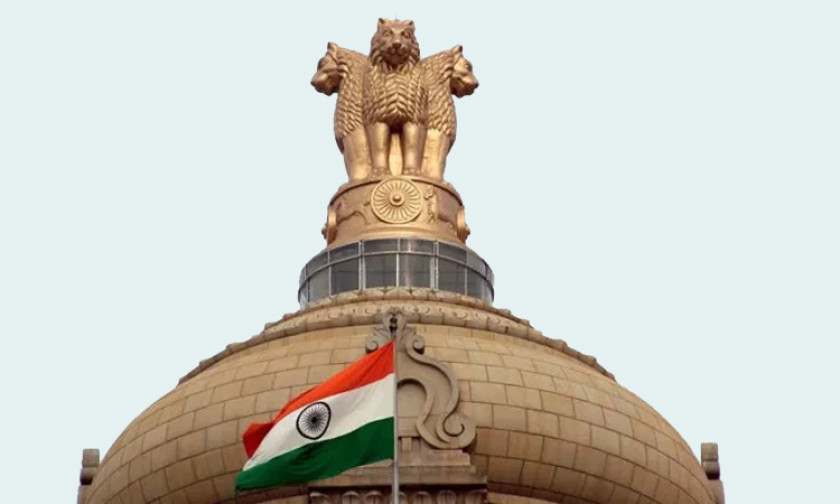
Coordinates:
x,y
396,262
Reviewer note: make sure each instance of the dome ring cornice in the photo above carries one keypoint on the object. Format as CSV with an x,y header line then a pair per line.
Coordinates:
x,y
421,306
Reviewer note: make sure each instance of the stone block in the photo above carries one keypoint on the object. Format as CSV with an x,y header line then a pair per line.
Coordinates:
x,y
291,378
180,425
521,363
222,434
556,403
314,358
633,450
250,370
644,433
481,413
569,389
622,495
154,437
198,400
485,358
618,422
644,481
488,392
239,407
558,452
258,384
272,400
509,418
209,464
282,364
619,470
590,460
522,397
544,424
504,375
524,446
346,355
567,482
597,490
452,355
192,444
491,442
227,391
203,491
472,372
538,381
574,431
180,474
504,470
605,440
589,412
209,415
140,466
164,455
320,373
153,486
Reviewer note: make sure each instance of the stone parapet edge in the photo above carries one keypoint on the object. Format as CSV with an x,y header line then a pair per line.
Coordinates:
x,y
322,314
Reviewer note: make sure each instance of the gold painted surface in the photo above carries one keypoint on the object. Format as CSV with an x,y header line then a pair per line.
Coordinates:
x,y
416,207
395,117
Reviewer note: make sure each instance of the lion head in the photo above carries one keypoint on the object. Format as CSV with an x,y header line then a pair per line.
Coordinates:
x,y
394,43
328,76
463,82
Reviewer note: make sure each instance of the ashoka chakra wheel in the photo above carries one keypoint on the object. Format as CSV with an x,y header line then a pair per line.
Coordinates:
x,y
396,201
313,421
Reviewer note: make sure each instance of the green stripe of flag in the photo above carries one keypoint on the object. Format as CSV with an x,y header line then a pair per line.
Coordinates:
x,y
369,443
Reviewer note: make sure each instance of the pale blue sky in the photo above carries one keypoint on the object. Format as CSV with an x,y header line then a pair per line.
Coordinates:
x,y
654,182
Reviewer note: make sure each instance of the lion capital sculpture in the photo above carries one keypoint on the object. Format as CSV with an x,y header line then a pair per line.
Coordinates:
x,y
394,113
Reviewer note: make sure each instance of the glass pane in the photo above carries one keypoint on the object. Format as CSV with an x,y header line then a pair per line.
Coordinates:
x,y
380,270
344,252
475,285
488,292
451,276
423,246
302,295
475,262
452,252
415,271
345,276
302,277
374,246
319,285
317,262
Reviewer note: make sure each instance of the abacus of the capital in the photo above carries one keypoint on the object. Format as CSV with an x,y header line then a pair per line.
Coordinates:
x,y
395,125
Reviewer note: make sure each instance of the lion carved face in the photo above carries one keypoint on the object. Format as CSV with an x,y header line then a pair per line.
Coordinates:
x,y
328,77
463,82
394,41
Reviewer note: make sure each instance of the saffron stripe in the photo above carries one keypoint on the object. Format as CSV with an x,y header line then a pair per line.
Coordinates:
x,y
323,459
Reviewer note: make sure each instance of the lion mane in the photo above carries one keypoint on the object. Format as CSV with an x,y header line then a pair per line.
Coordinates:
x,y
394,92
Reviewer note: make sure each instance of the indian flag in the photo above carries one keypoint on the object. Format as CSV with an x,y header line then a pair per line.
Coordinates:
x,y
345,422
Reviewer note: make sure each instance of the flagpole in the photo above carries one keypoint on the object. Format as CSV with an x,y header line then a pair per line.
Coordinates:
x,y
395,489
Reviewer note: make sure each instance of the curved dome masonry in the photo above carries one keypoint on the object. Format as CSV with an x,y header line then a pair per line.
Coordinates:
x,y
489,408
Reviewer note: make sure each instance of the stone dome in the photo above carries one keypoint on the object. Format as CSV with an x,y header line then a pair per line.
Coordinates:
x,y
551,424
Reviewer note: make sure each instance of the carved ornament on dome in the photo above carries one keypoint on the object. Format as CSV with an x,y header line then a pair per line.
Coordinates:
x,y
432,410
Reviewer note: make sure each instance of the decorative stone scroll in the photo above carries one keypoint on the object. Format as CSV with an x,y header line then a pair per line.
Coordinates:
x,y
427,389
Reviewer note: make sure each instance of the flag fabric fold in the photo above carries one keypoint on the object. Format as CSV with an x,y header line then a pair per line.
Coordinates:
x,y
344,422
